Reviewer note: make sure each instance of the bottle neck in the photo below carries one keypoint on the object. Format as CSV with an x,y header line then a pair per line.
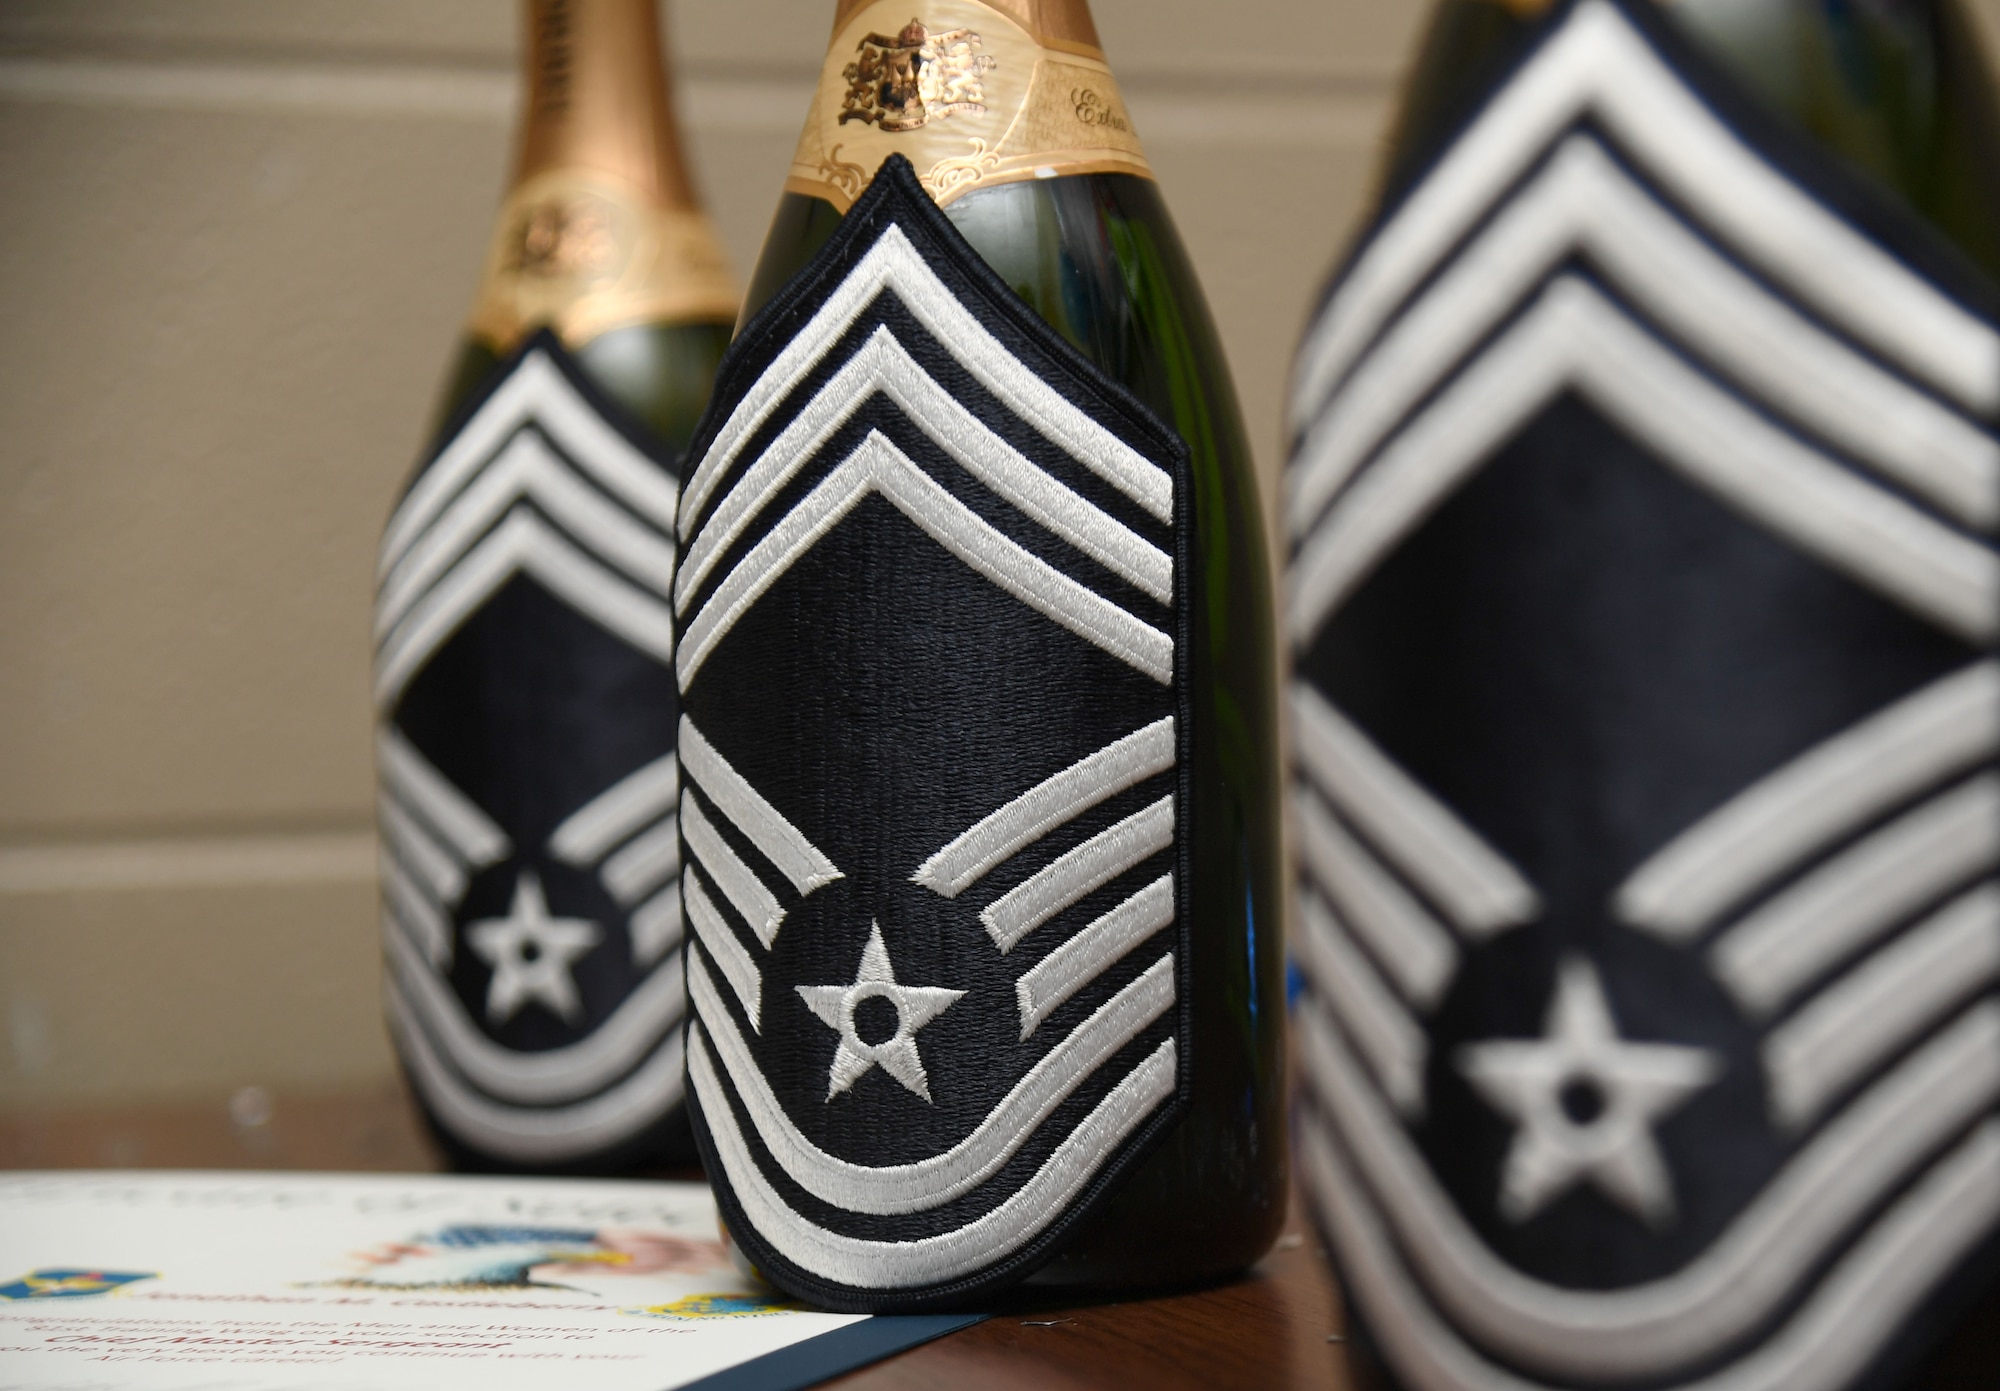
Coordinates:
x,y
1054,23
974,93
600,230
598,100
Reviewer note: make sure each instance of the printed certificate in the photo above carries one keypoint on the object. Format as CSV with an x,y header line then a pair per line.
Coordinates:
x,y
177,1281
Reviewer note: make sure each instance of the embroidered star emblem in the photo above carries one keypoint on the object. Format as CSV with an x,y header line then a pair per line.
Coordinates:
x,y
916,1006
531,954
1586,1102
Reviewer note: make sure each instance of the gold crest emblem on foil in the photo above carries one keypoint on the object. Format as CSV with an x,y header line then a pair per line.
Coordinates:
x,y
967,95
586,253
905,82
565,238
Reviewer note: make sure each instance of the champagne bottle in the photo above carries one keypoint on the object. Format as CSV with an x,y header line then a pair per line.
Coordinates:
x,y
524,688
1045,321
1630,446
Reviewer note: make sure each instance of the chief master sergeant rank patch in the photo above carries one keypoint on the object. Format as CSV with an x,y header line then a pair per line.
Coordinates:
x,y
1642,599
934,803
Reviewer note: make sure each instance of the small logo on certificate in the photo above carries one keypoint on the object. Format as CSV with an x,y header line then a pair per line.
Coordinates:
x,y
71,1284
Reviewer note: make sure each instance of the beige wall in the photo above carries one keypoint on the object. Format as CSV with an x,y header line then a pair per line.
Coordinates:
x,y
236,240
239,236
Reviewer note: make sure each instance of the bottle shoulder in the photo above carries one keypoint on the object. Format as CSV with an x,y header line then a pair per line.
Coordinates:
x,y
1098,258
1899,94
659,372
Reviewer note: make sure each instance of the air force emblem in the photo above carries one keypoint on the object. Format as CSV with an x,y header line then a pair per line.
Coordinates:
x,y
932,741
525,744
1643,596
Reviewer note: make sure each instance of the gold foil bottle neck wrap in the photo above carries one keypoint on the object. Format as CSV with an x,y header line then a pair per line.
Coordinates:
x,y
1054,23
601,229
973,94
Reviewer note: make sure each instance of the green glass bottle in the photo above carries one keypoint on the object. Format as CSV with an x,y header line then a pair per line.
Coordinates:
x,y
1084,237
524,692
1524,590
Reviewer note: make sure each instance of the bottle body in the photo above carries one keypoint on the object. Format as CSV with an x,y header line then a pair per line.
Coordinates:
x,y
1576,663
1097,258
1077,231
526,705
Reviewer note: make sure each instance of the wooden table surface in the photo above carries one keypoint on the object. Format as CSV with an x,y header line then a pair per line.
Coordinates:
x,y
1276,1328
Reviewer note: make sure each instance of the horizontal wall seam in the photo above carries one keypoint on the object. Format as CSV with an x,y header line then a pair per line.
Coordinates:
x,y
1165,114
319,857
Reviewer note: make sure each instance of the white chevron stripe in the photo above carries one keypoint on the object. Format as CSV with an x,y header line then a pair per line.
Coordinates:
x,y
1054,802
719,940
521,544
419,914
535,394
1393,1042
1417,953
893,264
1842,1327
1598,67
1077,872
539,1135
932,1182
412,780
527,471
655,926
1884,1002
975,1246
881,365
1583,201
1645,1331
877,466
559,1075
648,861
1770,956
738,882
777,839
1820,796
1447,859
1574,339
614,815
440,874
1090,953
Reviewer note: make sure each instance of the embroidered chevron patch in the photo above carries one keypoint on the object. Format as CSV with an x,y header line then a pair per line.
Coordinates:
x,y
1643,597
934,743
525,743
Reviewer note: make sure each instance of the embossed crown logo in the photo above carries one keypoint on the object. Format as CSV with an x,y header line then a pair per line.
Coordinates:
x,y
904,82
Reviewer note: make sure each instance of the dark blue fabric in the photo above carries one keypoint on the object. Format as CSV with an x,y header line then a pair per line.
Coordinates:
x,y
831,1354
